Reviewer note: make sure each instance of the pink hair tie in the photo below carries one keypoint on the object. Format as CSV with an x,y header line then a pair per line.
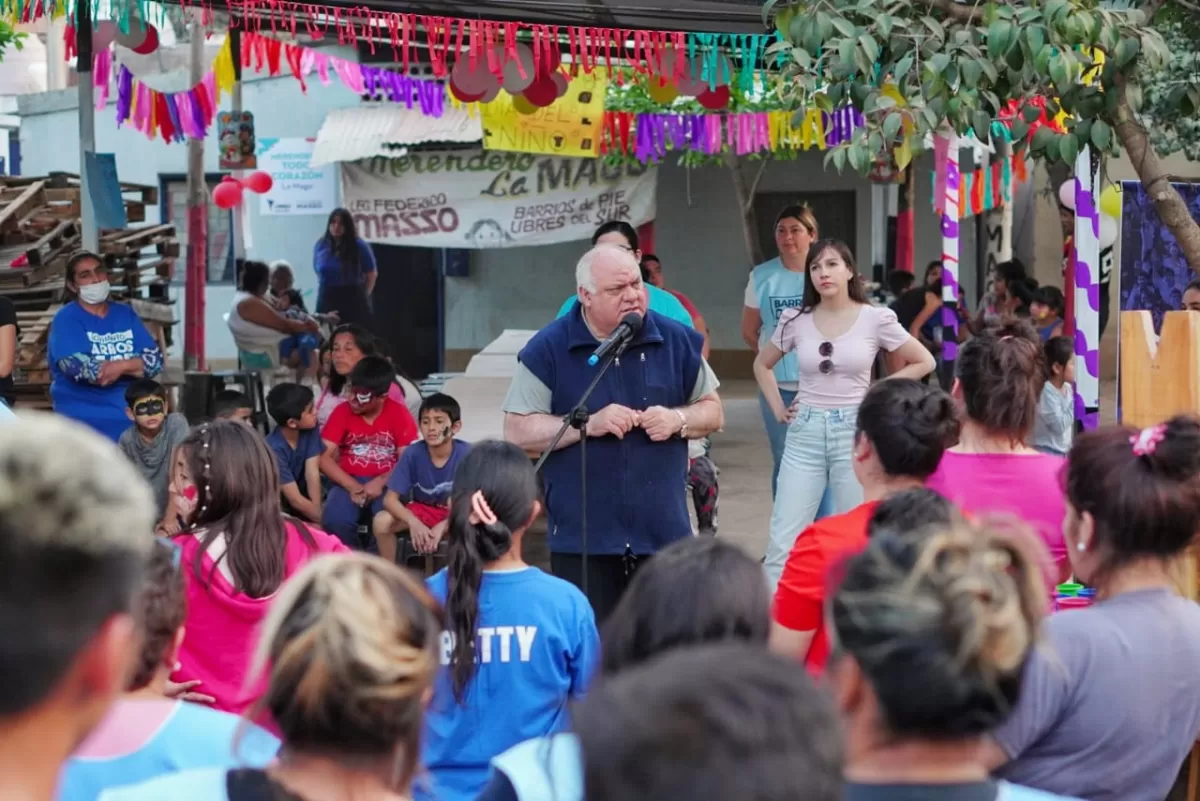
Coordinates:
x,y
480,511
1145,441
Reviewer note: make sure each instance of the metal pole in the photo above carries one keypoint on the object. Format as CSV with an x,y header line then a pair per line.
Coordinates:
x,y
87,124
240,213
197,224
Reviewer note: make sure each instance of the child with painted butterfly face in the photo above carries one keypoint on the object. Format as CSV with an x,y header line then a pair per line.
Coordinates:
x,y
418,496
154,434
363,441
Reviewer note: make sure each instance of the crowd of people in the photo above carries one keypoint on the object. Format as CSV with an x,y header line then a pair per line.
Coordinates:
x,y
210,614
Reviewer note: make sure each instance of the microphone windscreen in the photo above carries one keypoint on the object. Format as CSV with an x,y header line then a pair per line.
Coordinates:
x,y
634,321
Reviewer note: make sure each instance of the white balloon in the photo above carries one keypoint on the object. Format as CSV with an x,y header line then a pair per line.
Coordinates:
x,y
513,83
103,34
136,36
1108,231
1066,194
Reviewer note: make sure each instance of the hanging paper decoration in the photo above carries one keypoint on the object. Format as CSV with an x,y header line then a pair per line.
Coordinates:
x,y
149,42
261,53
988,188
174,116
649,137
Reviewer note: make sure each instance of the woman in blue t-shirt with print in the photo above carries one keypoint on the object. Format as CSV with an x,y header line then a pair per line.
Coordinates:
x,y
519,644
346,272
96,349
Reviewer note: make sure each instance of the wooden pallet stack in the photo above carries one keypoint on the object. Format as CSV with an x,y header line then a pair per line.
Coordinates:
x,y
39,230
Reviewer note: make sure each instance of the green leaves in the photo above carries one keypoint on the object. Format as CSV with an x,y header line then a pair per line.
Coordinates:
x,y
1101,135
1000,38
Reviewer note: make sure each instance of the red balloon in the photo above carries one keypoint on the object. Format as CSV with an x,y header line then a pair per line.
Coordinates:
x,y
714,99
260,182
150,43
464,97
542,92
227,194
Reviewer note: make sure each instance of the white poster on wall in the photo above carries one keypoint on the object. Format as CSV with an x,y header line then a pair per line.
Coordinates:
x,y
477,199
298,188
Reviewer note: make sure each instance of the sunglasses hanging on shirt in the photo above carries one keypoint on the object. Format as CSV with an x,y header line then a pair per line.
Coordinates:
x,y
826,351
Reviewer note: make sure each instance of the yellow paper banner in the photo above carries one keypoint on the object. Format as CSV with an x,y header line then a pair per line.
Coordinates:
x,y
570,126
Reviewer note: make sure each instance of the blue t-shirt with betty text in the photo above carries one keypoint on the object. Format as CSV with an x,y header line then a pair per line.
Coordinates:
x,y
536,648
777,289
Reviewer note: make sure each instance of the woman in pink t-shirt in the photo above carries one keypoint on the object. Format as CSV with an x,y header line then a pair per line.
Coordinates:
x,y
992,469
237,549
836,334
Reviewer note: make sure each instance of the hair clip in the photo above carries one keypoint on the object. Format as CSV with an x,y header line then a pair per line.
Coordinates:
x,y
1145,441
480,511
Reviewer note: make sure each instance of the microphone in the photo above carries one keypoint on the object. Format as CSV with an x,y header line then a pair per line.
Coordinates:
x,y
627,330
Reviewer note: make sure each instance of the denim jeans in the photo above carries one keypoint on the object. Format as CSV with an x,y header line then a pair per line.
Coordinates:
x,y
776,436
816,461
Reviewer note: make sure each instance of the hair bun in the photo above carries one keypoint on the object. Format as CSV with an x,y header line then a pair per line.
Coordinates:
x,y
1176,454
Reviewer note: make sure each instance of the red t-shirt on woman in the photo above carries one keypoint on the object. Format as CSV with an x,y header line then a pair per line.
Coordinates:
x,y
800,596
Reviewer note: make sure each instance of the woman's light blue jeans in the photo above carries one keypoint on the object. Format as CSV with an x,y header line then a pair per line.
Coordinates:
x,y
776,436
816,461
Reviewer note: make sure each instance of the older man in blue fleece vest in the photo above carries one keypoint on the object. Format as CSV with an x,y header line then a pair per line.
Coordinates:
x,y
658,395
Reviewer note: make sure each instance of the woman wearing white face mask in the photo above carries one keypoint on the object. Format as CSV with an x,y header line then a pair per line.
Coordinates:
x,y
96,348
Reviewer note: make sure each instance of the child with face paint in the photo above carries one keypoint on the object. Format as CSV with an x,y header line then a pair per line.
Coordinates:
x,y
363,441
151,439
418,492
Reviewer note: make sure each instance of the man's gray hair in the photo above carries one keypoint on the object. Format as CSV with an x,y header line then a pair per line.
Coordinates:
x,y
584,279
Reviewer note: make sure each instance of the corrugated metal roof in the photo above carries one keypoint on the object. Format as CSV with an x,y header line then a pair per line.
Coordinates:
x,y
387,129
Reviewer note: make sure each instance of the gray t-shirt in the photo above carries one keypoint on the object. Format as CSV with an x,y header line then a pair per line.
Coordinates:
x,y
153,458
1110,704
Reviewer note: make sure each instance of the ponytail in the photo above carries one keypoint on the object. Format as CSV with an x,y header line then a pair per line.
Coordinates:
x,y
472,545
495,490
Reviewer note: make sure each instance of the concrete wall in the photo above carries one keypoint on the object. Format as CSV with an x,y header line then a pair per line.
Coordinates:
x,y
698,234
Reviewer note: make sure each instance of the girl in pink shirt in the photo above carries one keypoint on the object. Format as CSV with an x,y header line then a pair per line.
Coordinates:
x,y
836,334
237,549
992,469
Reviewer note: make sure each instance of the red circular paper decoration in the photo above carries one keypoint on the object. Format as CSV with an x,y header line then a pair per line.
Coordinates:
x,y
150,43
714,99
260,182
513,82
542,92
467,97
227,194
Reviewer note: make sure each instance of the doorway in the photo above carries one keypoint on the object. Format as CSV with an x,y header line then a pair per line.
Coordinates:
x,y
407,303
836,213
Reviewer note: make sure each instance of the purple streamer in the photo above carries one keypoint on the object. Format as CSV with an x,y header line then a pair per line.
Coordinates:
x,y
124,94
173,113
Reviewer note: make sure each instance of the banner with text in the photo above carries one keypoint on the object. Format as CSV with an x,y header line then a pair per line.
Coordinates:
x,y
479,200
298,189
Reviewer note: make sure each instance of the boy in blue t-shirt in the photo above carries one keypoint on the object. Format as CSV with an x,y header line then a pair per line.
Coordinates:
x,y
296,443
418,493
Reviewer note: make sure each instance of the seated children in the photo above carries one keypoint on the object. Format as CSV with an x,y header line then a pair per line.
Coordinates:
x,y
153,436
146,733
1047,311
296,444
1055,426
363,440
230,404
297,350
418,493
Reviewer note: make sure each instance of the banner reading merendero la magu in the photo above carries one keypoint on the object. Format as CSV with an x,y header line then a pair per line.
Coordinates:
x,y
476,199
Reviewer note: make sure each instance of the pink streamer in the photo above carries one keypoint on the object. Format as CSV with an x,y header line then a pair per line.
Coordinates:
x,y
102,76
350,74
941,153
322,67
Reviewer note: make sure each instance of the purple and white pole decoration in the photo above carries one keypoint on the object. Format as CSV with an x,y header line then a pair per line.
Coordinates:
x,y
950,250
1087,291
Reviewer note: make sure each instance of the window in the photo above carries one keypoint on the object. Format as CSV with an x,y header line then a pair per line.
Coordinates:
x,y
220,228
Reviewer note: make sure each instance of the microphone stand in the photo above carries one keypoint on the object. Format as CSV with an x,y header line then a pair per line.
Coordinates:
x,y
578,418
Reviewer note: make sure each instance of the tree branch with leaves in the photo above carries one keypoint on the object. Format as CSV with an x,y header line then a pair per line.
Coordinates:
x,y
916,68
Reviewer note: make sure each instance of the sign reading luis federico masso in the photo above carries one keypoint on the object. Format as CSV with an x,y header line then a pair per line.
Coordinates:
x,y
479,200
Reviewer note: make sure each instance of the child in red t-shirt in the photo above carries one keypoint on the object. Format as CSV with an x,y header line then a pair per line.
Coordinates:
x,y
363,440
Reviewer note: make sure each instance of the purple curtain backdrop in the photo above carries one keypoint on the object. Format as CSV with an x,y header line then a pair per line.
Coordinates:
x,y
1153,269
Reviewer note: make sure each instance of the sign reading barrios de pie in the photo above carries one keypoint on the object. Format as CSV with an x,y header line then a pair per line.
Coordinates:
x,y
479,200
